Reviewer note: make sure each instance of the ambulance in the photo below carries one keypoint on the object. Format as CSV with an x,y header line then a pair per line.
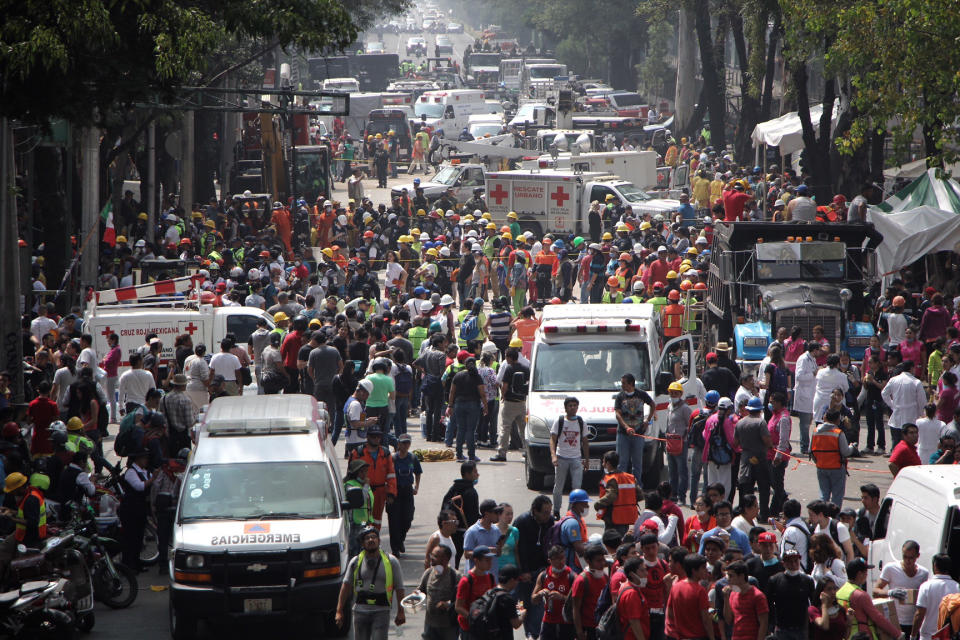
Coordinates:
x,y
259,530
582,350
165,308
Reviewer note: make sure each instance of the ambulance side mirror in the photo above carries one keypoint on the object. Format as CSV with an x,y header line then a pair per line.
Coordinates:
x,y
664,378
354,498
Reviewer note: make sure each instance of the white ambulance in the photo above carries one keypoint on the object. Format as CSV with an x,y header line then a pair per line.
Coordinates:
x,y
582,350
164,308
449,110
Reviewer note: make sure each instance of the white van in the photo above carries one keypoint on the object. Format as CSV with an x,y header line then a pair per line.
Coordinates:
x,y
922,504
484,124
347,85
259,529
449,110
582,350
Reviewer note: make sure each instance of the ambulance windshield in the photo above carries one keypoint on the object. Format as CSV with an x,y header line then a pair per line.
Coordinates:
x,y
252,491
589,366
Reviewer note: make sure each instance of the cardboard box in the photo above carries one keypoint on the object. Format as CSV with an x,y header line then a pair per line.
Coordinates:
x,y
888,608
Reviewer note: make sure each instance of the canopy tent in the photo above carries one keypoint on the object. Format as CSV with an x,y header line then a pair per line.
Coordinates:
x,y
910,235
927,190
786,131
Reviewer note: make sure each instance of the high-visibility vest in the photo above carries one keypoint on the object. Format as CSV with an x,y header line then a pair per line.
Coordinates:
x,y
624,510
361,515
417,335
614,299
21,529
825,447
843,599
658,302
357,583
672,316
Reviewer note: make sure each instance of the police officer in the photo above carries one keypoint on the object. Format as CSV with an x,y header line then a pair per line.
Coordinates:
x,y
476,203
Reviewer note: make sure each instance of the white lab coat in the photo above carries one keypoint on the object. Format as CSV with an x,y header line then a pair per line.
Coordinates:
x,y
805,384
906,398
827,380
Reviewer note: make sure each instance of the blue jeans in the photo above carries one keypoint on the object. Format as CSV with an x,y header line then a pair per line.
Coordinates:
x,y
832,482
534,619
451,431
630,449
696,471
677,466
337,424
467,415
805,420
400,417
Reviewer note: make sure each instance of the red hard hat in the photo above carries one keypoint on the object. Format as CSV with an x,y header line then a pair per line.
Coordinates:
x,y
658,285
556,301
264,254
700,286
673,295
368,234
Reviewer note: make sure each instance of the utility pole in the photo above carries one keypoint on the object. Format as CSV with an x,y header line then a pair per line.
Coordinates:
x,y
150,193
228,142
187,152
90,190
686,73
10,264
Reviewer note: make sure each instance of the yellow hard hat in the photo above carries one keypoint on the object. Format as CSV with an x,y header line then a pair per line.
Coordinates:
x,y
142,216
196,214
507,235
685,263
607,236
315,322
609,197
370,136
675,386
521,238
490,225
74,424
693,251
433,252
327,252
210,224
516,343
404,239
415,231
379,136
622,226
671,275
645,225
421,212
487,216
512,215
14,481
391,133
468,217
280,316
121,238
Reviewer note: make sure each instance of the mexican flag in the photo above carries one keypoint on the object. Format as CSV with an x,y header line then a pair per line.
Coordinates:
x,y
109,233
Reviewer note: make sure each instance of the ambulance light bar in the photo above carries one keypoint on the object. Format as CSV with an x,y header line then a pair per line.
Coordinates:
x,y
259,426
594,328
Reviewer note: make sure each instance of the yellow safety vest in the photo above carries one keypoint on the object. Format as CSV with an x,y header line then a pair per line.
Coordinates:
x,y
388,569
843,598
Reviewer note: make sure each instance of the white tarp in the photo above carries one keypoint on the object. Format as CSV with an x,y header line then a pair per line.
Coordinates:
x,y
910,235
916,169
787,133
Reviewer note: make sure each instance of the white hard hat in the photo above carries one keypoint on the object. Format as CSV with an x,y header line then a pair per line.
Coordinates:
x,y
476,248
171,218
445,252
449,212
477,213
661,248
248,194
594,245
327,203
488,347
342,219
471,234
366,385
206,274
140,243
446,299
637,248
426,307
424,237
236,272
253,275
528,234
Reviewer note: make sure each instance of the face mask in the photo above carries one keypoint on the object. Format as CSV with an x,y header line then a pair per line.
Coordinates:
x,y
596,573
676,401
792,573
833,610
770,407
642,582
438,568
476,481
734,589
648,563
769,563
709,567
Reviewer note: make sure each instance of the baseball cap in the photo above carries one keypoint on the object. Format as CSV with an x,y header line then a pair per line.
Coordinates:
x,y
404,437
711,357
791,553
489,505
482,552
857,565
767,536
650,525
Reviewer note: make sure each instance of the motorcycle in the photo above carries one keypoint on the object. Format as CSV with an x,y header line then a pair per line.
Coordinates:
x,y
105,502
37,609
114,584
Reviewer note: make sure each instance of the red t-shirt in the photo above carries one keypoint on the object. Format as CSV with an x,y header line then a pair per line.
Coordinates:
x,y
733,204
616,581
290,348
469,590
555,581
686,601
904,455
589,588
654,593
747,607
42,411
632,606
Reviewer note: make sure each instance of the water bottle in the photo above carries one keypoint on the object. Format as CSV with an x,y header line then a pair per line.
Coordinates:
x,y
423,424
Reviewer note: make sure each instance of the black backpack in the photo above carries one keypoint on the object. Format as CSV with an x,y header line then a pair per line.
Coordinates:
x,y
482,620
696,428
608,626
720,450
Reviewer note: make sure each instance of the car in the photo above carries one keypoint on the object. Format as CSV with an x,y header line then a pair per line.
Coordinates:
x,y
444,46
375,47
417,45
454,27
428,24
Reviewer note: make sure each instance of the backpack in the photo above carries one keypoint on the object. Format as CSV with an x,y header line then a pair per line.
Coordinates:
x,y
604,601
129,436
720,450
470,328
696,428
568,604
554,536
778,380
608,626
482,619
560,425
403,381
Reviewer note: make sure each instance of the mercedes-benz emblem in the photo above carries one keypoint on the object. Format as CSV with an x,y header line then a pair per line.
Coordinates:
x,y
591,432
257,567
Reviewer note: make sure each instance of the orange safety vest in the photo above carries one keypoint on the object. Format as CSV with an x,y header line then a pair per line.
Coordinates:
x,y
672,316
381,474
624,510
20,532
825,447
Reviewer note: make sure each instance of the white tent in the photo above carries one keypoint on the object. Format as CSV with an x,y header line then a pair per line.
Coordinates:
x,y
910,235
786,131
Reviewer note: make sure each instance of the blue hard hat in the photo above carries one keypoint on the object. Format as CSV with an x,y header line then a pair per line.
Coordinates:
x,y
712,398
416,181
579,495
755,404
627,301
558,244
428,245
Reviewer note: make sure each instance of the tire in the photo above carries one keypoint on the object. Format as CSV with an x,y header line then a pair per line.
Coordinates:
x,y
118,594
534,478
86,622
532,227
150,553
182,627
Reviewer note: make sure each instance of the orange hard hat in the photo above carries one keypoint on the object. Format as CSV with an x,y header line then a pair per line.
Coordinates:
x,y
899,301
686,285
368,234
504,229
613,281
700,286
626,257
673,295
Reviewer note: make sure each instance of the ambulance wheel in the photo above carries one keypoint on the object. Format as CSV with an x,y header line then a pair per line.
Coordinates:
x,y
182,626
534,478
532,227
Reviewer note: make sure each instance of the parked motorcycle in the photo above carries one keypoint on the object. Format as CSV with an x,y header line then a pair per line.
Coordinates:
x,y
38,609
105,502
114,584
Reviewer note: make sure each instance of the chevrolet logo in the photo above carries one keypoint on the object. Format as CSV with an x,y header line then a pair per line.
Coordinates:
x,y
256,568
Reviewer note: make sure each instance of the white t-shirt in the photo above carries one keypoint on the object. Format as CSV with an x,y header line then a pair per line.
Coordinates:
x,y
354,412
931,593
842,532
896,578
133,386
568,441
89,357
393,273
41,325
226,365
836,571
929,441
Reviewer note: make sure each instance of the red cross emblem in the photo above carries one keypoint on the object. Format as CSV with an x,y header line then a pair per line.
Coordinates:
x,y
499,194
560,196
190,328
106,332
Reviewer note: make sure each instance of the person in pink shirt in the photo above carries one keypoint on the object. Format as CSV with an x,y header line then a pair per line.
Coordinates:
x,y
718,471
110,364
935,320
793,348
